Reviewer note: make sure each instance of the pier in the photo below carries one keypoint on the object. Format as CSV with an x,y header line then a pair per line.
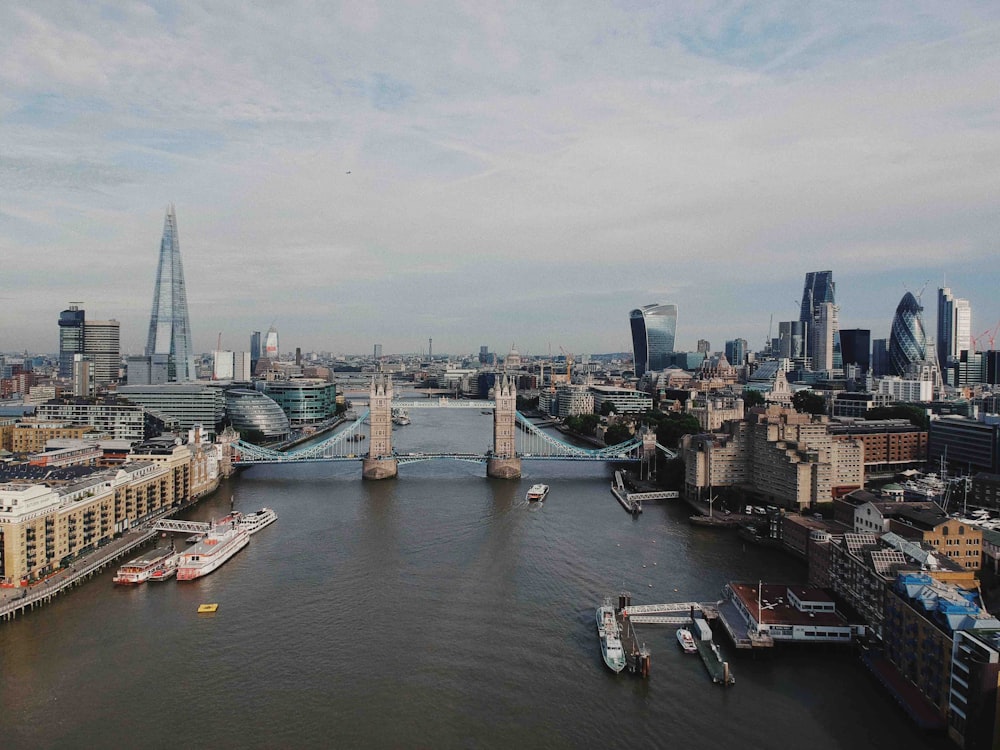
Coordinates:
x,y
681,614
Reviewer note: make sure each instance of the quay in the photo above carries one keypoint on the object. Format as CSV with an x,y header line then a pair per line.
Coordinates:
x,y
19,601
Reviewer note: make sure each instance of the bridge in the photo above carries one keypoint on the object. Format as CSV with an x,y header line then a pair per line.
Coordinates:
x,y
515,439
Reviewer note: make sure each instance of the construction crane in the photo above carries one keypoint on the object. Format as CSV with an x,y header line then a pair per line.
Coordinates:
x,y
569,365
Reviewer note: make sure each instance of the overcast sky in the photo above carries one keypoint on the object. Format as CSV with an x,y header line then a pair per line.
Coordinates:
x,y
495,173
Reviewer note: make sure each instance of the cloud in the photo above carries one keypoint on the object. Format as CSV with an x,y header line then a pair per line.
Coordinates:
x,y
494,172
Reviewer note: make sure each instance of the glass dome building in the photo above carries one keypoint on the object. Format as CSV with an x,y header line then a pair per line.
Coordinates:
x,y
907,342
253,412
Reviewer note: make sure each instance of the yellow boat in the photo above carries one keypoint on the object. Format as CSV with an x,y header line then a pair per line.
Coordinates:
x,y
203,608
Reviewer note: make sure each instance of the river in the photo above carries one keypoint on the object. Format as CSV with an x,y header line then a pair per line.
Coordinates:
x,y
439,609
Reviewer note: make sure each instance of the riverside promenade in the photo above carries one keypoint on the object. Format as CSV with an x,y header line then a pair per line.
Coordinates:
x,y
18,601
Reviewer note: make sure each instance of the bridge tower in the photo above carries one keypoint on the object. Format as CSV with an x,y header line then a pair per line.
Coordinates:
x,y
503,462
380,464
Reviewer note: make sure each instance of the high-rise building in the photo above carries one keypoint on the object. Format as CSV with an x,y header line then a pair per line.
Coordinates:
x,y
254,349
954,327
83,376
169,328
792,339
271,350
101,345
70,338
880,357
820,290
736,351
907,341
704,346
484,355
855,345
824,333
377,352
653,330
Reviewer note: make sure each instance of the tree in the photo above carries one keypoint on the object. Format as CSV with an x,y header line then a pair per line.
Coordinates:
x,y
607,409
917,416
809,402
583,423
673,427
617,433
752,399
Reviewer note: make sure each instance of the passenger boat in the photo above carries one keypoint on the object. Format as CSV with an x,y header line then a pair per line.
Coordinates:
x,y
537,492
223,540
400,417
139,570
256,521
686,640
166,569
611,644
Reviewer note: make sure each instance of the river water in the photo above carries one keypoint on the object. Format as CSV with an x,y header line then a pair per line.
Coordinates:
x,y
440,610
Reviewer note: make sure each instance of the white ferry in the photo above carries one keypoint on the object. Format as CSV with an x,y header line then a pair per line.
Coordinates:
x,y
611,645
223,541
166,569
257,521
139,570
537,492
686,640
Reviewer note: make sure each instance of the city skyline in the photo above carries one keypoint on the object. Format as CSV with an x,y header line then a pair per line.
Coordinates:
x,y
477,178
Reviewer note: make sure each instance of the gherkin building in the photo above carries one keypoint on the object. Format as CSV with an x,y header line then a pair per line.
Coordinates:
x,y
907,342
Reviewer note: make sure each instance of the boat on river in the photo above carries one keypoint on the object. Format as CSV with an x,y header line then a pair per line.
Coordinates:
x,y
686,641
223,540
141,568
537,492
610,635
254,522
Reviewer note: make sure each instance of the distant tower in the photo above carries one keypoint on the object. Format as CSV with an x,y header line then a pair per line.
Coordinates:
x,y
169,329
101,345
954,327
503,462
71,323
907,341
654,328
254,349
271,348
380,463
821,322
430,349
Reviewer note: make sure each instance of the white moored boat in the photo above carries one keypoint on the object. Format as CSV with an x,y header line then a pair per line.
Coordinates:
x,y
538,492
223,541
611,645
141,568
686,640
256,521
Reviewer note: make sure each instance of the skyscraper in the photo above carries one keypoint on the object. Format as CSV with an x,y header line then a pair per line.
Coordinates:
x,y
819,290
101,346
271,349
856,347
70,338
736,351
254,350
653,330
954,327
907,341
169,328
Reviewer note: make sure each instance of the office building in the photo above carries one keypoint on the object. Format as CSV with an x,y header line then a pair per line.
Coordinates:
x,y
255,350
377,352
967,445
169,327
231,366
304,400
824,331
907,341
792,339
70,339
83,376
256,416
818,291
855,348
143,370
101,346
736,352
819,288
954,327
182,404
109,416
654,328
704,347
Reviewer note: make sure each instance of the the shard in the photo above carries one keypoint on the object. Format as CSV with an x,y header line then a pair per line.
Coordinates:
x,y
169,329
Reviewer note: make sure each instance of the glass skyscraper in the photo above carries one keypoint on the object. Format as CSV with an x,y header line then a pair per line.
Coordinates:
x,y
907,341
169,328
71,323
653,330
954,327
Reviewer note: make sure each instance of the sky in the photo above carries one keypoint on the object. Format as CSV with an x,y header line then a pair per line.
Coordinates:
x,y
495,173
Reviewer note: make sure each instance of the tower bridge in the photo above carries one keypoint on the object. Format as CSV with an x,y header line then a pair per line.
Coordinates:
x,y
511,446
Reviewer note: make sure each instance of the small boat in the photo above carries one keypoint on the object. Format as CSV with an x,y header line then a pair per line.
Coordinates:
x,y
686,640
141,568
207,608
538,492
256,521
611,644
